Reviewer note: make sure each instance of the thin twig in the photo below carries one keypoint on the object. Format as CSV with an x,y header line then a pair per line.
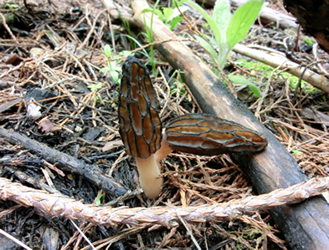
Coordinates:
x,y
4,23
15,240
83,235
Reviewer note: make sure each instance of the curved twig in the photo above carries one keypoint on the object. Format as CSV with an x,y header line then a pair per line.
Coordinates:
x,y
155,217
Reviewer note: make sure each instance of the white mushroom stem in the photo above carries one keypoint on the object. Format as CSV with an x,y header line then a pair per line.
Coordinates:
x,y
149,172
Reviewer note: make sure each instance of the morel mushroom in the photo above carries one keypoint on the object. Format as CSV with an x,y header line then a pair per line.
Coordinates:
x,y
140,125
140,129
204,134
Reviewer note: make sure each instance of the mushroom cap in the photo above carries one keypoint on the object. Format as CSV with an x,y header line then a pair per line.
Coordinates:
x,y
204,134
139,122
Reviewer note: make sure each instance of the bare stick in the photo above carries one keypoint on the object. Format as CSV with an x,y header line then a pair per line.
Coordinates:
x,y
276,60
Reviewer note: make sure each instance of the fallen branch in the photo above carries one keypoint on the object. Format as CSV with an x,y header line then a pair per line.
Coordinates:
x,y
90,172
155,217
276,60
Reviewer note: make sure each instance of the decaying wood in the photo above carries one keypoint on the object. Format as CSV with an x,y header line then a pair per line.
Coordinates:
x,y
155,217
90,172
304,225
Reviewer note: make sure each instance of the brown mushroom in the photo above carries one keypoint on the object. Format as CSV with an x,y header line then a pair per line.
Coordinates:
x,y
140,125
140,129
204,134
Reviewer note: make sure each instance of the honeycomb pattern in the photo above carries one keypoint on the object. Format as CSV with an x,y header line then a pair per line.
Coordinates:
x,y
139,122
204,134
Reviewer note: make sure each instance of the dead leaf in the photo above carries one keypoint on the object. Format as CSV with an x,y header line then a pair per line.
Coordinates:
x,y
47,126
111,145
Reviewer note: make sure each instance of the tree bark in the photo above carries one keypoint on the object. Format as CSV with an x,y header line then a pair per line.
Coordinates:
x,y
306,225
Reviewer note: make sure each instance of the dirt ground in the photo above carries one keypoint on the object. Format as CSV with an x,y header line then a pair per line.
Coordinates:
x,y
54,90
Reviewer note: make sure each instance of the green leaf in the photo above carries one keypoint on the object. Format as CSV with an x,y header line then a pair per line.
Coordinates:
x,y
209,19
125,53
308,40
243,81
155,11
114,66
143,51
159,13
98,200
241,22
207,46
95,87
107,50
115,76
175,21
179,3
167,14
222,15
104,69
12,5
211,40
297,152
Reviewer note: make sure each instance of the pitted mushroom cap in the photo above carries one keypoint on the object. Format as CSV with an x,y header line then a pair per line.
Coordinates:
x,y
139,122
204,134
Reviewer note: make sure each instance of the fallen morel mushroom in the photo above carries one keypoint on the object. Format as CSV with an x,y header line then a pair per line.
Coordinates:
x,y
204,134
140,126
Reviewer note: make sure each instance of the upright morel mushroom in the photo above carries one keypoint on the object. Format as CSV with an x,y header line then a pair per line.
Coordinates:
x,y
140,125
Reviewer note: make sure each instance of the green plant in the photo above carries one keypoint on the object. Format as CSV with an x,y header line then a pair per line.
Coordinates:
x,y
149,33
228,29
98,200
171,15
167,15
95,87
266,71
309,40
12,6
113,67
297,152
177,85
126,24
243,81
137,44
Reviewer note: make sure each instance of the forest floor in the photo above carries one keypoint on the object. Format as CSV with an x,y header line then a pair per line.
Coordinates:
x,y
55,89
